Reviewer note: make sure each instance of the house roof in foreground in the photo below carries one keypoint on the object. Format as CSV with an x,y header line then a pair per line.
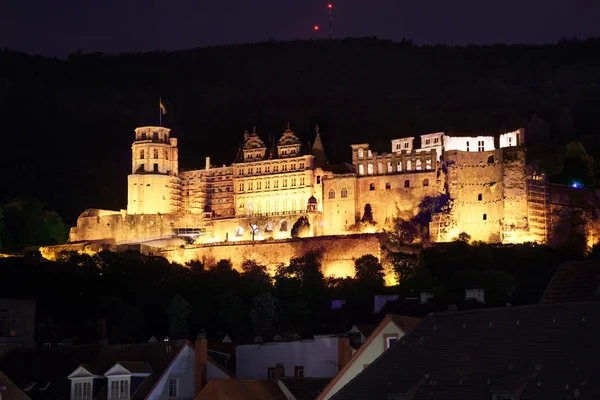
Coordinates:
x,y
233,389
305,388
574,281
547,351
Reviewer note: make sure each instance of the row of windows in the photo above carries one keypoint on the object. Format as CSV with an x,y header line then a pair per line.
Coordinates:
x,y
277,206
343,193
267,168
155,136
400,146
267,184
154,154
390,168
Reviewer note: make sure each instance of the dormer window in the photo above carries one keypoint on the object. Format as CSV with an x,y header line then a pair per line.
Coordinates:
x,y
82,390
119,389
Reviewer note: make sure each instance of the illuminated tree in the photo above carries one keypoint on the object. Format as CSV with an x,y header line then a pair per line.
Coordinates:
x,y
301,227
369,272
256,224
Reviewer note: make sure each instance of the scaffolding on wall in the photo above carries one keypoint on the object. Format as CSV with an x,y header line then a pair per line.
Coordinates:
x,y
538,207
175,193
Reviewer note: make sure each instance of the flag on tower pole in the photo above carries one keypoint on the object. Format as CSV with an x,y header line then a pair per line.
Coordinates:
x,y
163,111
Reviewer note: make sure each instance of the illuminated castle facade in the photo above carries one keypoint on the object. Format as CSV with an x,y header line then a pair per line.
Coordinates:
x,y
271,185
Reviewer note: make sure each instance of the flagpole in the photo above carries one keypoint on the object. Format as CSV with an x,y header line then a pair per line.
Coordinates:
x,y
159,111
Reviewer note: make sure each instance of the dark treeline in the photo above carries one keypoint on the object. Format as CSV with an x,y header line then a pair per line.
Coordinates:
x,y
68,123
143,295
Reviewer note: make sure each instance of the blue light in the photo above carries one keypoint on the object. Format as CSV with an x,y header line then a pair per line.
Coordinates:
x,y
576,185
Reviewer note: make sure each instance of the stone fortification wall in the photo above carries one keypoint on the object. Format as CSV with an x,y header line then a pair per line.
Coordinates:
x,y
516,227
339,252
386,192
476,188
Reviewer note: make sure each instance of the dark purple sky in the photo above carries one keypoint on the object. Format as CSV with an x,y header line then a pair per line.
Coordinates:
x,y
59,27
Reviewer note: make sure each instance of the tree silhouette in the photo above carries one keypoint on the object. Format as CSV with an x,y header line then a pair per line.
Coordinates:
x,y
178,313
369,272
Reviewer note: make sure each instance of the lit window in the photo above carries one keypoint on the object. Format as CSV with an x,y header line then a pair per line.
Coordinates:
x,y
361,169
173,383
331,193
418,165
399,166
344,193
369,153
408,165
370,169
379,168
361,153
389,168
141,154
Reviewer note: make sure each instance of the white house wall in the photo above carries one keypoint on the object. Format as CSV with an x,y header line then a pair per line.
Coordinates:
x,y
183,369
367,355
460,143
319,357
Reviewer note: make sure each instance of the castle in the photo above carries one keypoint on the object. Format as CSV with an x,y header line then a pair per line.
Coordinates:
x,y
269,186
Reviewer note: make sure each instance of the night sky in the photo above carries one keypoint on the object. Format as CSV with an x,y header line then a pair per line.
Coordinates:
x,y
59,27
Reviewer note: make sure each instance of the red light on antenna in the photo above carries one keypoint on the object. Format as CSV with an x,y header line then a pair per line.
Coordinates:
x,y
329,5
316,27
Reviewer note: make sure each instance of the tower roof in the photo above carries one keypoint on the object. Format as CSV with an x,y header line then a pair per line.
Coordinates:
x,y
288,138
318,150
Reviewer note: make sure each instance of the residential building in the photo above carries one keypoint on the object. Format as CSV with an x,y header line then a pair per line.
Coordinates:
x,y
10,391
152,371
391,329
546,351
317,357
17,324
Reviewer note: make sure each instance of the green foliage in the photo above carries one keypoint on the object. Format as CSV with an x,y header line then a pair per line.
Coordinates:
x,y
28,222
368,271
301,227
264,311
178,312
403,264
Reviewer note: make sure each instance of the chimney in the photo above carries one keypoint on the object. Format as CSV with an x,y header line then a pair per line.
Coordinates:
x,y
200,360
207,162
343,352
279,370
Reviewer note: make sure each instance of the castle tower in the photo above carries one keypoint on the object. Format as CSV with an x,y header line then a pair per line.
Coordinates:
x,y
153,186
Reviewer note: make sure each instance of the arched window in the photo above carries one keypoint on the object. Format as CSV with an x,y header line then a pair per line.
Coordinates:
x,y
399,166
388,186
408,165
344,193
269,227
490,159
331,193
425,182
370,169
372,186
418,165
380,168
239,231
479,197
141,154
283,227
361,169
428,166
155,153
406,183
361,153
389,168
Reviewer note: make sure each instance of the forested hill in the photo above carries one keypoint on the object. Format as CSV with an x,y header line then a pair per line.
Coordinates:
x,y
67,124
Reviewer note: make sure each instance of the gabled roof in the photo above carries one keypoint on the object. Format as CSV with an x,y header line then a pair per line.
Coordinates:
x,y
11,391
403,323
24,366
233,389
366,330
304,388
542,352
135,367
574,281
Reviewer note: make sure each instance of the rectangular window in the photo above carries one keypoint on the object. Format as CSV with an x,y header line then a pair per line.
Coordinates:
x,y
427,141
480,145
284,183
241,187
250,185
302,181
406,145
267,184
389,340
82,391
293,181
318,179
258,185
258,170
299,371
293,166
435,140
119,389
397,146
467,145
276,183
173,383
301,165
155,167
